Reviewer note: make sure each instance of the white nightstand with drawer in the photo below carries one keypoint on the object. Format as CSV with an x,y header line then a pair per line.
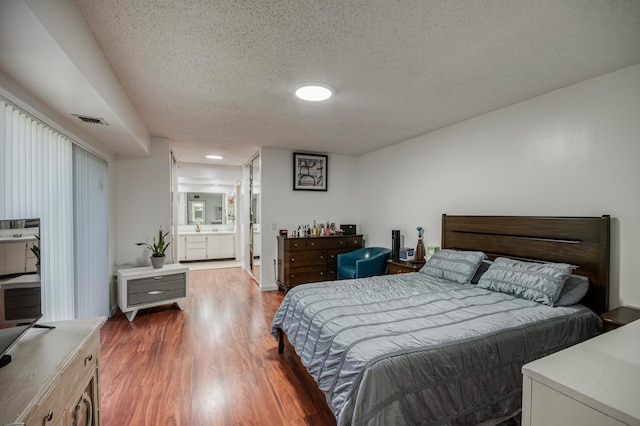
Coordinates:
x,y
146,287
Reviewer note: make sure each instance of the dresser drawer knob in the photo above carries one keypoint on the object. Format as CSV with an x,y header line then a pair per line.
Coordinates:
x,y
341,243
293,276
88,359
321,256
154,292
293,259
313,244
321,273
295,244
157,278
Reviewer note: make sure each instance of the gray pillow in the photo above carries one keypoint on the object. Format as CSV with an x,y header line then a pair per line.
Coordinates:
x,y
453,265
573,291
539,282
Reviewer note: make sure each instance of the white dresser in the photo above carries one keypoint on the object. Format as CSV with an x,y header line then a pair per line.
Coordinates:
x,y
146,287
596,382
53,378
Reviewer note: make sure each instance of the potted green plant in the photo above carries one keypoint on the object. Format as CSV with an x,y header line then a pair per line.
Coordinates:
x,y
158,249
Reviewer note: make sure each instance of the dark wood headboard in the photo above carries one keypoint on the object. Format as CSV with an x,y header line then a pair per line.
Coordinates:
x,y
579,241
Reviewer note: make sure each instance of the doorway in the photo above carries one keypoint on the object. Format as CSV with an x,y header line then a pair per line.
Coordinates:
x,y
254,226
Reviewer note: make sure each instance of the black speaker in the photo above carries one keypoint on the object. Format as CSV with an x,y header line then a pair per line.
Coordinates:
x,y
395,244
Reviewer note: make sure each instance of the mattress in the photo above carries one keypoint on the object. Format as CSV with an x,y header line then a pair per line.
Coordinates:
x,y
412,349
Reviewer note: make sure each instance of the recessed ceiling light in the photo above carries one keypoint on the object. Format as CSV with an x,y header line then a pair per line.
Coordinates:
x,y
314,92
214,157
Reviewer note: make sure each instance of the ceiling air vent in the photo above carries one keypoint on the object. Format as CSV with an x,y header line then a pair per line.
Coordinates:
x,y
91,120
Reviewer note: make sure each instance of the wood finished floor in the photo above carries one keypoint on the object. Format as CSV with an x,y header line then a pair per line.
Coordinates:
x,y
214,363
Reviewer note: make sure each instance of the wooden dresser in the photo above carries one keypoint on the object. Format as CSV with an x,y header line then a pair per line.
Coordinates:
x,y
312,259
53,376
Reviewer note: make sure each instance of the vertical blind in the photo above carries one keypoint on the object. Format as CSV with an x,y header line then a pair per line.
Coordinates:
x,y
37,181
91,234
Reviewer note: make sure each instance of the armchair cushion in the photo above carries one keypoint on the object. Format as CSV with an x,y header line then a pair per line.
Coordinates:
x,y
364,262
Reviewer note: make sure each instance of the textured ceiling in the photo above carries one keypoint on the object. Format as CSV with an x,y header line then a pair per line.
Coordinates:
x,y
216,77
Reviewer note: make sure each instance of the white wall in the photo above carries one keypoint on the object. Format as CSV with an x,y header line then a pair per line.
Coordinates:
x,y
284,208
143,203
210,172
213,178
571,152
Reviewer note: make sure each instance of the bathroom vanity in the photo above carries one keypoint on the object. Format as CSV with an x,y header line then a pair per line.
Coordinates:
x,y
207,245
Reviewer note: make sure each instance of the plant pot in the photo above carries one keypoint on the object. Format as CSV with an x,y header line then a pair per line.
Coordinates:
x,y
157,261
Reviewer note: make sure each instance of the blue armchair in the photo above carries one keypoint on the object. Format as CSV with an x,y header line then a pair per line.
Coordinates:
x,y
364,262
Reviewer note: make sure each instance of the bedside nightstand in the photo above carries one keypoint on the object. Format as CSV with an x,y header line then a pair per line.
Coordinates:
x,y
146,287
619,317
403,266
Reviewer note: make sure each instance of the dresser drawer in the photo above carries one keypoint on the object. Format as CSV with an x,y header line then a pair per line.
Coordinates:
x,y
196,245
305,258
50,412
332,272
197,241
153,289
294,244
334,243
297,276
333,255
354,242
324,243
84,366
397,269
403,266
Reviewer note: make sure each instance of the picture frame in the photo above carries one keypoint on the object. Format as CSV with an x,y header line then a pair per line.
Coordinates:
x,y
310,172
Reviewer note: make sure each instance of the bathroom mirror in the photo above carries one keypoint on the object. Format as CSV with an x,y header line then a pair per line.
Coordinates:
x,y
207,208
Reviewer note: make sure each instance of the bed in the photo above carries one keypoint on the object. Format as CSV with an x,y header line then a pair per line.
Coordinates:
x,y
431,348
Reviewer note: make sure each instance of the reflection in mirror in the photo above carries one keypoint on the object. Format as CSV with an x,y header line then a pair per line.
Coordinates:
x,y
20,295
231,208
208,208
256,208
19,224
196,212
19,247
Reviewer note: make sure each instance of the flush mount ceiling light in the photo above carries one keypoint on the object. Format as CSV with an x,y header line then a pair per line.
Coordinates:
x,y
214,157
314,92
